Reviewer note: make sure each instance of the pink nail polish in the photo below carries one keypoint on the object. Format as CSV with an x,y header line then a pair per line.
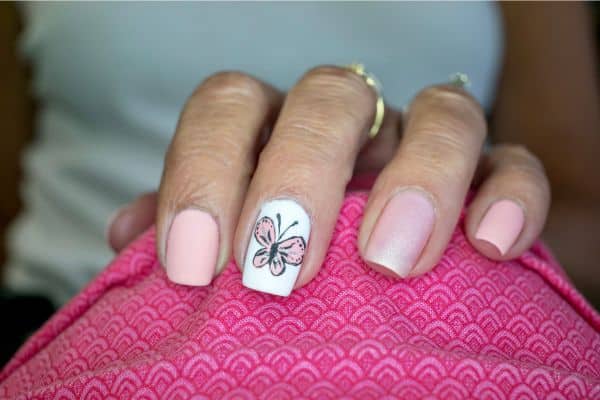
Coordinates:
x,y
401,232
192,248
501,225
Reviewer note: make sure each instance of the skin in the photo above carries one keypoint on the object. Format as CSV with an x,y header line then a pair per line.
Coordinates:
x,y
536,106
508,171
216,161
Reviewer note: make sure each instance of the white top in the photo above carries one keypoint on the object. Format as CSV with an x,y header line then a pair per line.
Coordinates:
x,y
111,79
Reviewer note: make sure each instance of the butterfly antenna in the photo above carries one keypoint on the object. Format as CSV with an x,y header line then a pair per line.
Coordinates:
x,y
278,223
283,233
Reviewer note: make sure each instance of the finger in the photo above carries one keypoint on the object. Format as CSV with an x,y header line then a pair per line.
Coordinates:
x,y
207,169
416,201
376,153
131,221
298,186
510,208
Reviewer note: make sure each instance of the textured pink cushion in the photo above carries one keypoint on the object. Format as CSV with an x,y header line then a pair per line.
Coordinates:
x,y
471,328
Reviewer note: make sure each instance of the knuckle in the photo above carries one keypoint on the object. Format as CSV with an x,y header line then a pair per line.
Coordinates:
x,y
215,132
448,94
330,72
188,181
454,101
208,156
524,168
297,179
336,80
449,114
442,144
307,158
533,184
525,173
443,159
202,190
519,157
331,108
328,134
449,132
223,106
226,84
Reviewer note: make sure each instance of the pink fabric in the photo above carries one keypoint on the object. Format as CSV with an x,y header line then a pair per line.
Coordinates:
x,y
472,328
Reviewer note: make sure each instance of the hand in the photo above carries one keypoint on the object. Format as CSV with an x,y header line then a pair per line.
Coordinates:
x,y
271,201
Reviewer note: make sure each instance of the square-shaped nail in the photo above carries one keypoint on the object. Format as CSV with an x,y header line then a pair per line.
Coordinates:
x,y
401,232
192,248
276,248
501,225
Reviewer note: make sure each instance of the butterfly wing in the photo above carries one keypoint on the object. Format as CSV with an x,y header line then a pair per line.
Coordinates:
x,y
261,258
277,265
264,232
291,250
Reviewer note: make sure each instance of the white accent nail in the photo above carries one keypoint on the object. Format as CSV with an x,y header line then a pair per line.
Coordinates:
x,y
276,249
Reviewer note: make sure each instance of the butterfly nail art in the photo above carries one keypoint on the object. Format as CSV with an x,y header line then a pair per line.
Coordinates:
x,y
276,252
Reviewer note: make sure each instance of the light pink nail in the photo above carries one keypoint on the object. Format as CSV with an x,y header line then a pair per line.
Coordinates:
x,y
401,232
501,225
192,248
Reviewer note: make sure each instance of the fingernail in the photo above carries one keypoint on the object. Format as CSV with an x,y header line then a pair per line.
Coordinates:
x,y
401,232
501,225
192,248
276,249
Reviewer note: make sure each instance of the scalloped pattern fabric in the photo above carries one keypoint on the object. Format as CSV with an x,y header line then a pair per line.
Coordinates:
x,y
471,328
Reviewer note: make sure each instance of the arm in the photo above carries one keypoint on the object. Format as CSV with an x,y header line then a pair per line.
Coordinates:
x,y
548,100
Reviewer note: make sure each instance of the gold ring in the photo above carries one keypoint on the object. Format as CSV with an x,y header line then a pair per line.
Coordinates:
x,y
371,81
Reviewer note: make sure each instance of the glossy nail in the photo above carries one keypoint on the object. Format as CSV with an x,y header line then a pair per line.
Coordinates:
x,y
192,248
276,249
501,225
401,232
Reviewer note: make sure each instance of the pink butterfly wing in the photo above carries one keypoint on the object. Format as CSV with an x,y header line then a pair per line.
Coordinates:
x,y
277,266
264,232
261,257
292,250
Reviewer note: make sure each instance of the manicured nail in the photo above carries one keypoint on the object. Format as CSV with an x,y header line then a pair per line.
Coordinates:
x,y
401,232
501,225
192,248
276,249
